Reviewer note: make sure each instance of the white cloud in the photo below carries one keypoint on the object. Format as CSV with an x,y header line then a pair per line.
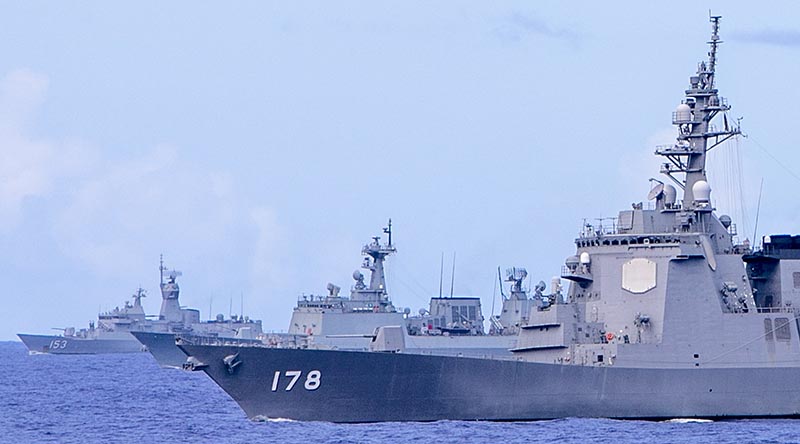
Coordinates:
x,y
21,93
24,163
128,209
30,167
113,213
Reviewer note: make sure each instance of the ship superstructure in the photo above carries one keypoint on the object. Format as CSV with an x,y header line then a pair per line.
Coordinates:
x,y
346,322
451,325
655,281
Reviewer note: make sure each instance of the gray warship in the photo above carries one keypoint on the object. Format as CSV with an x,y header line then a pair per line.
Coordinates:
x,y
235,330
109,335
667,315
112,332
450,325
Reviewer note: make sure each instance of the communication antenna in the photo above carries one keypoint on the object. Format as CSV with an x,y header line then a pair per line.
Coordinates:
x,y
388,230
715,41
656,191
453,275
500,280
758,210
494,295
441,275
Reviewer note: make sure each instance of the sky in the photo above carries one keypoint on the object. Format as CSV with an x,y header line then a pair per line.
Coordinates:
x,y
259,145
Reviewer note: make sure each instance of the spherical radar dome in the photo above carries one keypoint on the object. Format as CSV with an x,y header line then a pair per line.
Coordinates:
x,y
683,113
701,191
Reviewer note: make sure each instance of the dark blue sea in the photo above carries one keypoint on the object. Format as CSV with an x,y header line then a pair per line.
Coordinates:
x,y
129,399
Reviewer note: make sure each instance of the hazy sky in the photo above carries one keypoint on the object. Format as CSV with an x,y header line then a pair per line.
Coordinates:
x,y
259,145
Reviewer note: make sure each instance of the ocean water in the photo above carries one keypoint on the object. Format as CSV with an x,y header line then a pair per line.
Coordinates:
x,y
129,399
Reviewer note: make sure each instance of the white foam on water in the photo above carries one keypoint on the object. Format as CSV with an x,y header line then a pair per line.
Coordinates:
x,y
261,418
688,420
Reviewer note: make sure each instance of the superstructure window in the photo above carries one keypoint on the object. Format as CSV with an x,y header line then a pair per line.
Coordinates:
x,y
796,278
782,330
768,329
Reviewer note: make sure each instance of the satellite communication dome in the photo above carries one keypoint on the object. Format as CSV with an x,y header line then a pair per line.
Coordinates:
x,y
683,113
572,261
701,191
585,259
670,194
358,276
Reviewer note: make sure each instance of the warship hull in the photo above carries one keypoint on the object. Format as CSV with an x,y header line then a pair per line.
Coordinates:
x,y
163,348
65,345
349,386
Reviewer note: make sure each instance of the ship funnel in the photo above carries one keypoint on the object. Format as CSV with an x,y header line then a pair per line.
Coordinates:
x,y
701,191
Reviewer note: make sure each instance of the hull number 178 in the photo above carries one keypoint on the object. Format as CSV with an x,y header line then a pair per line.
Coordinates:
x,y
291,377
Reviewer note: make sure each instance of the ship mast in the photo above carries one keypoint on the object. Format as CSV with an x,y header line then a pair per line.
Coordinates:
x,y
378,253
696,134
375,254
170,307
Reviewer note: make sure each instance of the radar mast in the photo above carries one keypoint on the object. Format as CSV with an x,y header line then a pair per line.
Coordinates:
x,y
696,133
374,255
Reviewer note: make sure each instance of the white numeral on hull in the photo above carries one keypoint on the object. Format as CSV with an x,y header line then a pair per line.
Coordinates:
x,y
311,383
56,344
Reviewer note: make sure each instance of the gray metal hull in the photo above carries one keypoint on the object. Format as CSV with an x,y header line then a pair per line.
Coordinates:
x,y
369,387
167,354
162,347
65,345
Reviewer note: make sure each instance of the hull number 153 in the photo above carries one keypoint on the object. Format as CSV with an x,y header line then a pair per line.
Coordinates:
x,y
311,382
